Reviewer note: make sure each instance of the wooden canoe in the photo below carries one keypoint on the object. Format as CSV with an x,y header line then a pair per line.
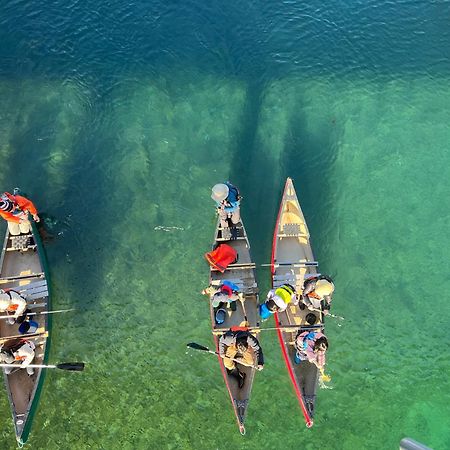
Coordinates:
x,y
292,262
241,273
23,269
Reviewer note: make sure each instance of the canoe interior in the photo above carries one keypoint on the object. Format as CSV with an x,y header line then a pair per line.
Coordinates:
x,y
23,390
291,246
241,273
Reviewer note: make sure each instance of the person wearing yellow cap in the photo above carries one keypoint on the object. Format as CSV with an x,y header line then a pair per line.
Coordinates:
x,y
227,199
317,293
15,209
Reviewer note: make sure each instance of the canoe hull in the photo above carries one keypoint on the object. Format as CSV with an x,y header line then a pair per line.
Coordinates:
x,y
241,273
293,262
26,271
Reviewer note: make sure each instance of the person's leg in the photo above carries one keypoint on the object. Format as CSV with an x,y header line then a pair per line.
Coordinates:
x,y
236,216
13,228
30,371
228,361
8,370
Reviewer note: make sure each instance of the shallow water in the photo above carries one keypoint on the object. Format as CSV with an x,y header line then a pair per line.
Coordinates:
x,y
117,118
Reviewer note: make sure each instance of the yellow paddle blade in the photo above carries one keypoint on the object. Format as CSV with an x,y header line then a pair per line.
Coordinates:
x,y
244,324
326,378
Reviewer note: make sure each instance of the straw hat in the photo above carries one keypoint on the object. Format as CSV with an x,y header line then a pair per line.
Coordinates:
x,y
220,192
324,288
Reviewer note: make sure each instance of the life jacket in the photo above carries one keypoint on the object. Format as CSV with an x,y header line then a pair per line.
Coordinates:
x,y
285,292
221,257
13,306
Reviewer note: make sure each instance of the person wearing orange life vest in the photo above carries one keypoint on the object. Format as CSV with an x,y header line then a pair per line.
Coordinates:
x,y
278,300
317,294
13,304
19,352
14,209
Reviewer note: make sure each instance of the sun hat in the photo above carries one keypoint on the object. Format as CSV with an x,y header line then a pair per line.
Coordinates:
x,y
220,192
323,288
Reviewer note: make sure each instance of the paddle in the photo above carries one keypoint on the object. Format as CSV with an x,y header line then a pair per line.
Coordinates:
x,y
325,378
242,300
43,312
196,346
76,366
329,314
24,336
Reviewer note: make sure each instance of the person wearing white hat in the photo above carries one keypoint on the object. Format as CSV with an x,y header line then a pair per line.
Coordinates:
x,y
15,209
317,293
12,303
19,352
227,200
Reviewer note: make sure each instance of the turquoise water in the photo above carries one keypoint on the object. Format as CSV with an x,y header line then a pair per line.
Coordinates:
x,y
118,117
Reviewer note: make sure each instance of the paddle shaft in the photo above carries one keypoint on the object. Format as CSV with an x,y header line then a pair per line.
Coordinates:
x,y
329,314
33,366
23,336
43,312
223,357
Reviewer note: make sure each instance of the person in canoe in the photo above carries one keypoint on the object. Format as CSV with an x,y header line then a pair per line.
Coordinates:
x,y
19,352
228,201
277,300
240,347
12,303
224,295
317,294
311,346
14,209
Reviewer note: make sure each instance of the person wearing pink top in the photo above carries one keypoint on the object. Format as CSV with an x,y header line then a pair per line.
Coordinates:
x,y
311,346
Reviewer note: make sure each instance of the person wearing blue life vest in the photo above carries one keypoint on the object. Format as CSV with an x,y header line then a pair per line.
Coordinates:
x,y
228,201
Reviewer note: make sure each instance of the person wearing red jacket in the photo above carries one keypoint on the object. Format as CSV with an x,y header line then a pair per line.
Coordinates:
x,y
14,209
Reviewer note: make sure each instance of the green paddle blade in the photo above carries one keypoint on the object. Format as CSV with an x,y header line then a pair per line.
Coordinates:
x,y
78,366
196,346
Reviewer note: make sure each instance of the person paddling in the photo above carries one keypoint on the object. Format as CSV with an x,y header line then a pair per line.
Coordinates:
x,y
243,347
228,201
311,346
19,352
15,209
317,294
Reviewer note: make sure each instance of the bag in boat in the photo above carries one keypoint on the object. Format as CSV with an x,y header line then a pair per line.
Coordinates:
x,y
221,257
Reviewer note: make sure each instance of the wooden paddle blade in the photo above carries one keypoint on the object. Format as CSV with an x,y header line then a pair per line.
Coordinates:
x,y
196,346
77,366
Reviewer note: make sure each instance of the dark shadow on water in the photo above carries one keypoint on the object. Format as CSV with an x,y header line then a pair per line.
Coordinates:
x,y
306,158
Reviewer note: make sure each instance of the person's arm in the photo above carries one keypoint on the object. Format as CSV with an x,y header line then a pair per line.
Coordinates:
x,y
224,342
21,303
25,354
254,344
27,205
9,217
